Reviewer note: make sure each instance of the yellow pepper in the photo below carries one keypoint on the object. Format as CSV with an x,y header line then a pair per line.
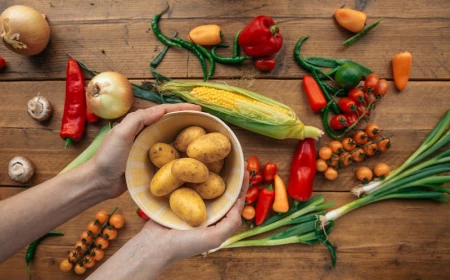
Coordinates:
x,y
205,35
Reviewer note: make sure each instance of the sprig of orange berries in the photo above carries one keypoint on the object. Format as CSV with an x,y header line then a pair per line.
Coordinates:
x,y
338,154
90,248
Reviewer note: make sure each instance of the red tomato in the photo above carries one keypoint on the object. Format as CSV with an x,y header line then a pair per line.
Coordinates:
x,y
2,62
253,164
265,64
356,95
269,171
370,99
347,105
338,122
256,179
142,215
362,110
371,82
252,194
381,88
351,118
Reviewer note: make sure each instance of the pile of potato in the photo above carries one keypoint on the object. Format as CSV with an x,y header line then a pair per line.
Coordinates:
x,y
190,179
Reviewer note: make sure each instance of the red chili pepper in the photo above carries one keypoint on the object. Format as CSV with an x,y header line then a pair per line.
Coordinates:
x,y
264,204
2,62
252,194
265,64
142,215
261,37
303,170
256,179
315,95
74,120
91,117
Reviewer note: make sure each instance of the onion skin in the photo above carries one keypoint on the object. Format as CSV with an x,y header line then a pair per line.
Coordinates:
x,y
109,95
24,30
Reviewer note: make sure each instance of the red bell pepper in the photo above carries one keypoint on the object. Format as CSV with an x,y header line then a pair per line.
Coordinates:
x,y
74,119
314,94
261,37
252,194
303,170
264,204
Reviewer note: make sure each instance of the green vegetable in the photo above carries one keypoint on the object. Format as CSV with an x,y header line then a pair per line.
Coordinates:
x,y
227,60
348,76
363,32
161,37
31,251
195,51
161,54
212,63
337,63
236,46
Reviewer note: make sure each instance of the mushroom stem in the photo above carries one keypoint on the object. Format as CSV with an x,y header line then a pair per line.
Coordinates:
x,y
17,169
35,107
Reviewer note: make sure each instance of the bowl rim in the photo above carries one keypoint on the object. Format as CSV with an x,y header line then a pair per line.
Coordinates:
x,y
236,145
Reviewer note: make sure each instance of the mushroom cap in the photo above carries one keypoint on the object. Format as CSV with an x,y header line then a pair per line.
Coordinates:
x,y
39,108
20,169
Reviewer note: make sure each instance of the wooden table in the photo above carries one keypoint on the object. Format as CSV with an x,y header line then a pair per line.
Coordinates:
x,y
389,240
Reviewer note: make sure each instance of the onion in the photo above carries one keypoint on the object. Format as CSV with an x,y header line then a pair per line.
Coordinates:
x,y
109,95
24,30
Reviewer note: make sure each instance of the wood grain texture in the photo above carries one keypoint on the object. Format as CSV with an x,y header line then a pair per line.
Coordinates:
x,y
416,246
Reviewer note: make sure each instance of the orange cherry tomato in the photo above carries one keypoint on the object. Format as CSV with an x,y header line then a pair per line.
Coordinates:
x,y
117,221
370,149
372,130
97,254
85,237
93,228
381,170
321,165
384,145
80,270
248,212
65,266
109,233
73,256
364,174
80,247
358,155
336,147
88,262
331,174
325,153
333,161
101,242
102,216
348,144
360,137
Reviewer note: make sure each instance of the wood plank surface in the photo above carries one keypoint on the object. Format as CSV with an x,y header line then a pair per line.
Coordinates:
x,y
415,246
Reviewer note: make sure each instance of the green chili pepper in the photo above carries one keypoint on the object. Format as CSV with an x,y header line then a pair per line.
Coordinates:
x,y
236,47
322,61
226,60
31,251
323,238
363,32
161,54
161,37
196,52
327,95
212,63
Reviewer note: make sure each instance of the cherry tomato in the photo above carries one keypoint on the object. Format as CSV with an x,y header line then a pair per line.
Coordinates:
x,y
382,88
117,221
362,110
2,63
364,174
338,122
85,237
333,161
381,170
93,228
325,153
253,165
360,137
101,242
371,82
102,216
142,215
97,254
252,194
79,269
351,118
256,179
345,159
370,100
331,174
269,171
248,212
80,247
357,95
348,144
358,155
321,165
384,145
109,233
65,266
265,64
88,262
370,149
73,256
336,146
372,130
347,105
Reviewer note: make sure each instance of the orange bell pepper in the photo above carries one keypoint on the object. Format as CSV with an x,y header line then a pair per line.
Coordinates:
x,y
350,19
205,35
401,67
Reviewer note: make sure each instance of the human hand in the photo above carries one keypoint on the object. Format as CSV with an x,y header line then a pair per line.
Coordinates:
x,y
180,244
110,160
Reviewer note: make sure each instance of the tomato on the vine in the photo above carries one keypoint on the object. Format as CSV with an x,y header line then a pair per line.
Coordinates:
x,y
351,118
382,88
269,171
362,110
371,82
256,179
347,105
253,164
356,95
338,122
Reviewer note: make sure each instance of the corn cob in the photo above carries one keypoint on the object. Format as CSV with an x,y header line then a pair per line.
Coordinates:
x,y
243,108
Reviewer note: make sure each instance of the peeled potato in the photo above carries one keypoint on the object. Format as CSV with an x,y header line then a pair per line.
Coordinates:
x,y
189,206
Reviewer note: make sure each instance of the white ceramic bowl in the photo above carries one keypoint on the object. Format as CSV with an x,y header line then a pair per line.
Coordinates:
x,y
140,170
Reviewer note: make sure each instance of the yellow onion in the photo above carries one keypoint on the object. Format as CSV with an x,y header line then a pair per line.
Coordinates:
x,y
109,95
24,30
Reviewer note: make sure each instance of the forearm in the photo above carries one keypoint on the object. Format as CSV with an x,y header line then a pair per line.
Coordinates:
x,y
32,213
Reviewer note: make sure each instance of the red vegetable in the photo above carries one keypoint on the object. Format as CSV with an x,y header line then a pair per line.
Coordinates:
x,y
142,215
256,179
265,64
264,203
371,82
2,62
252,194
356,95
269,171
91,117
261,37
362,110
253,165
338,122
347,105
74,120
314,94
303,170
351,118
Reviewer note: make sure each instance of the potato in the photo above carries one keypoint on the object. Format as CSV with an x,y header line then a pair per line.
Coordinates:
x,y
187,136
188,205
163,182
212,188
162,153
215,166
210,147
190,170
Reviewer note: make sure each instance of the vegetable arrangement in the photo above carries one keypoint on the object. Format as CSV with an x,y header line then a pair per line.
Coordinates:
x,y
90,248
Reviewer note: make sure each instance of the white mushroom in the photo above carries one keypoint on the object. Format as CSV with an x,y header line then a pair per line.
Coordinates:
x,y
20,169
39,108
